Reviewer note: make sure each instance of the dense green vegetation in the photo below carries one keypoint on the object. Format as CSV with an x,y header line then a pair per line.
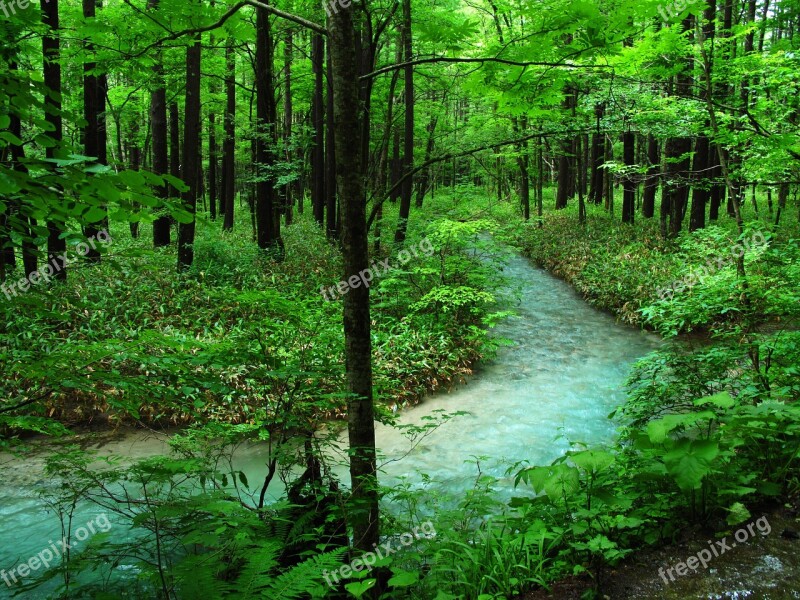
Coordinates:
x,y
272,226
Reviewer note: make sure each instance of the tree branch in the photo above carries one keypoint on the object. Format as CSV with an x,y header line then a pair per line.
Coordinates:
x,y
443,59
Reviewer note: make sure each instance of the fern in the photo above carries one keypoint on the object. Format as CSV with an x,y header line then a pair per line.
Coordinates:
x,y
261,561
305,578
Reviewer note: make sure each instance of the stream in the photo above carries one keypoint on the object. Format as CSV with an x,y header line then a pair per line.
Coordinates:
x,y
555,384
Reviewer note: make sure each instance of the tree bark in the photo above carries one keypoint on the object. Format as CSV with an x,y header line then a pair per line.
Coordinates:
x,y
629,184
651,185
318,123
229,143
191,153
51,51
408,128
363,506
267,208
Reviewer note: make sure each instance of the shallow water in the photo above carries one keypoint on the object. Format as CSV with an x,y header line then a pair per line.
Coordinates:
x,y
556,384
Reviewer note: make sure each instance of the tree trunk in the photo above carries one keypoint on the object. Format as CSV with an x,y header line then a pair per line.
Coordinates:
x,y
598,142
191,153
408,128
229,143
174,143
158,126
267,207
51,51
650,187
629,184
700,190
212,165
318,123
93,100
363,506
288,199
332,214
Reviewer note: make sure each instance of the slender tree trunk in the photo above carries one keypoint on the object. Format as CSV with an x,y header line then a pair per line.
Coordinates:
x,y
267,206
191,153
51,51
598,142
629,184
212,165
524,176
158,125
650,187
363,506
288,200
318,123
700,190
174,143
229,143
408,128
29,249
93,100
331,209
425,175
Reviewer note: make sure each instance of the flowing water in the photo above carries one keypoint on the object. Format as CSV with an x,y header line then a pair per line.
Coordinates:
x,y
555,384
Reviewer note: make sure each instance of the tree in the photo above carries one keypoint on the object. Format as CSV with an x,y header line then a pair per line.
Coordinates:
x,y
191,154
51,50
355,253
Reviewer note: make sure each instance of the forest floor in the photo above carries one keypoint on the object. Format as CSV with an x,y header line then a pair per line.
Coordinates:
x,y
766,567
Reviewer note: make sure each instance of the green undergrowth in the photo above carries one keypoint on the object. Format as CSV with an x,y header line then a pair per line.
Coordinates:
x,y
239,334
634,272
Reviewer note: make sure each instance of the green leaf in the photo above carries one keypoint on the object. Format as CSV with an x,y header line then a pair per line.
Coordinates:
x,y
359,588
690,461
403,578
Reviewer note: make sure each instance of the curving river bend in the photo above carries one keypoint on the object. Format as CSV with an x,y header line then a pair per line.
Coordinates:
x,y
556,383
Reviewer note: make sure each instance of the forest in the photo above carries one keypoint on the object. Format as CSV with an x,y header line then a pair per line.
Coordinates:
x,y
391,299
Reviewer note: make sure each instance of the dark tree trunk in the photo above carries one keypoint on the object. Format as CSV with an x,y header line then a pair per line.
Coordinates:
x,y
598,143
629,183
93,103
29,249
229,143
408,128
318,123
288,199
212,165
650,187
332,214
363,509
158,126
51,51
174,143
676,187
700,190
524,176
717,186
191,153
267,207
